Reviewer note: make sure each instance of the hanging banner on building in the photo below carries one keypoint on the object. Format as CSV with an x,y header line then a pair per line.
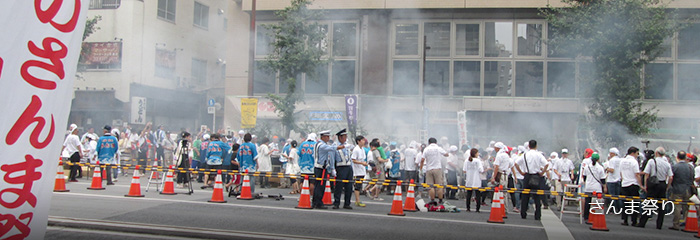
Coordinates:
x,y
101,55
138,110
249,112
39,49
462,127
351,111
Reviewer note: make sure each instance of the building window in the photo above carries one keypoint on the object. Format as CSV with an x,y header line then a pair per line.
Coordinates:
x,y
105,4
264,39
166,10
467,42
406,77
688,44
165,63
561,79
438,39
688,81
437,78
343,77
264,81
344,39
406,39
317,83
199,71
201,15
467,78
498,78
529,77
553,48
658,81
499,39
529,39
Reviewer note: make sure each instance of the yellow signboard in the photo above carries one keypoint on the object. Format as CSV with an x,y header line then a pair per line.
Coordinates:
x,y
249,112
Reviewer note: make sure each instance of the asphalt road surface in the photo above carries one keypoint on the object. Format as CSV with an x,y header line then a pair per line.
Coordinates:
x,y
107,214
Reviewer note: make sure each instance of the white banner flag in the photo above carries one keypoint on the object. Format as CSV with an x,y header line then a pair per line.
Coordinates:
x,y
39,48
138,110
462,127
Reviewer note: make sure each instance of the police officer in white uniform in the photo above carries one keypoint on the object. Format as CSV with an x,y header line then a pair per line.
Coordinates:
x,y
343,167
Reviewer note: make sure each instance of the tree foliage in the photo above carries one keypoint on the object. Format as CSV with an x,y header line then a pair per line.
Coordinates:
x,y
618,37
90,28
297,47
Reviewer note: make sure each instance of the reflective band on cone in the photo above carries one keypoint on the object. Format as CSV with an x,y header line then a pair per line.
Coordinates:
x,y
496,216
169,186
502,199
60,184
218,195
396,205
305,199
245,189
327,196
691,222
97,178
135,190
410,205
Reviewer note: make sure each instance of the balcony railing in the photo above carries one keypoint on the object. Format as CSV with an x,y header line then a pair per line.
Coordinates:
x,y
105,4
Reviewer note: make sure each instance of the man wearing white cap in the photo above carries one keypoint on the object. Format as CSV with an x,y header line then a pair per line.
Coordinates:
x,y
564,169
307,160
501,169
613,181
75,151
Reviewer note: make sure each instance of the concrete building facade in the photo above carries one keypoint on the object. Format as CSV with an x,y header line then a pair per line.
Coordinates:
x,y
486,57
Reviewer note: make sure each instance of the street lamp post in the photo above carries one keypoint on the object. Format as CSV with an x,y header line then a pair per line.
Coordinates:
x,y
424,121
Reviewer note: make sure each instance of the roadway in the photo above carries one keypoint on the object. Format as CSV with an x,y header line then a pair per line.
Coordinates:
x,y
85,214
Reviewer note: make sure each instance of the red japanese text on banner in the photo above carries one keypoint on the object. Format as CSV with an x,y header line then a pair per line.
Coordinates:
x,y
39,47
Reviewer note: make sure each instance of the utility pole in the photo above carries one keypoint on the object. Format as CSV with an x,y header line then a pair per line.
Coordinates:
x,y
251,51
423,134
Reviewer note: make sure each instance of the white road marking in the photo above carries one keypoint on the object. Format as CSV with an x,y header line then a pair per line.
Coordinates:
x,y
303,210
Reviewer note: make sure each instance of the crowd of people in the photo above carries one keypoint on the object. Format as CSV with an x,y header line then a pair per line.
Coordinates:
x,y
331,155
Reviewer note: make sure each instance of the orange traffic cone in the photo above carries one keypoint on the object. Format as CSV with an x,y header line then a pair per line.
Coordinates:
x,y
135,190
496,216
60,185
598,215
169,186
396,208
305,199
691,222
590,220
97,178
218,195
410,205
104,174
245,189
327,196
502,200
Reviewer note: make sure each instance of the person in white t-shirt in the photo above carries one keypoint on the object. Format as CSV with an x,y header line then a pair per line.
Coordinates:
x,y
359,167
564,169
518,177
472,169
432,156
410,158
532,165
75,150
594,175
630,179
613,180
